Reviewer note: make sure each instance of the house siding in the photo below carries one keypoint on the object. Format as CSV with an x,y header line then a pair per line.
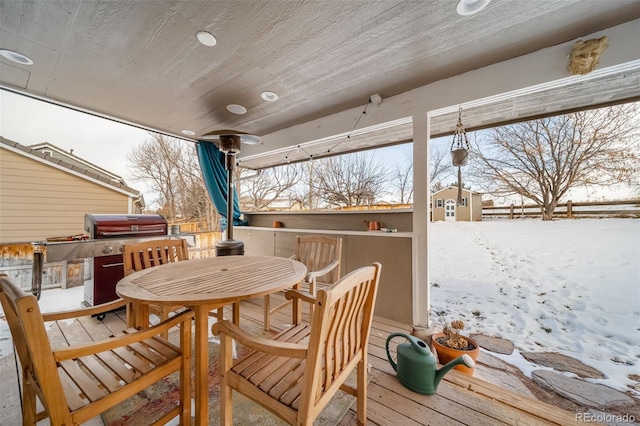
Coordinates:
x,y
39,201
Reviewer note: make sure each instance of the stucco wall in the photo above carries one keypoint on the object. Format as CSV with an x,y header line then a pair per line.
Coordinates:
x,y
359,248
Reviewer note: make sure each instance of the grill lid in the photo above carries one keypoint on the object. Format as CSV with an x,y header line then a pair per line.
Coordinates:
x,y
100,226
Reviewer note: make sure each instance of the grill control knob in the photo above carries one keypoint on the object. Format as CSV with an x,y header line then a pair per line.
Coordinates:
x,y
107,250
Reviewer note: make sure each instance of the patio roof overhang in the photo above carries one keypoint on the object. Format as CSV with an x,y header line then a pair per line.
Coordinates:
x,y
532,86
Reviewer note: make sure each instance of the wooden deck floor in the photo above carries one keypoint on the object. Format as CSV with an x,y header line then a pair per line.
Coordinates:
x,y
460,399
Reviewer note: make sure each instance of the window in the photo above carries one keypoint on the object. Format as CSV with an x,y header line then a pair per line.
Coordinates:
x,y
439,203
464,202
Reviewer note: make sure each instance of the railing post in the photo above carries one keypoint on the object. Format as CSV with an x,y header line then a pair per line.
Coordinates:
x,y
569,209
511,211
36,273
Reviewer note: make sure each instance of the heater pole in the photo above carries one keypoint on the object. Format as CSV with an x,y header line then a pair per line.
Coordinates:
x,y
231,159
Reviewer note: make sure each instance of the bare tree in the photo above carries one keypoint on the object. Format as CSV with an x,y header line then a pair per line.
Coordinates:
x,y
260,189
543,159
439,166
171,168
349,180
302,193
402,179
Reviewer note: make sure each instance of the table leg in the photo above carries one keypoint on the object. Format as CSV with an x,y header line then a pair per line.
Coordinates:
x,y
138,315
202,364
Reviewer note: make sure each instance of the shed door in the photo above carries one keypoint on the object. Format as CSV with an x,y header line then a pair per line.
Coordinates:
x,y
450,210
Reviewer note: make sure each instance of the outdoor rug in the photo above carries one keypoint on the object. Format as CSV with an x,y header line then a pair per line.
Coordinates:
x,y
151,403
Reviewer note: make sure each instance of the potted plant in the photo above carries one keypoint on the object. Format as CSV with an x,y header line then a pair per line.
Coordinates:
x,y
450,344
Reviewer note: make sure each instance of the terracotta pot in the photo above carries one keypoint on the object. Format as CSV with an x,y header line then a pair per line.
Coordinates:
x,y
373,225
446,354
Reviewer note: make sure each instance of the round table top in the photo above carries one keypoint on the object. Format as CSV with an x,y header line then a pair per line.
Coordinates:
x,y
211,281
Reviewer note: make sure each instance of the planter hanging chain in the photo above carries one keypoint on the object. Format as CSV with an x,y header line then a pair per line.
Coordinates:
x,y
460,152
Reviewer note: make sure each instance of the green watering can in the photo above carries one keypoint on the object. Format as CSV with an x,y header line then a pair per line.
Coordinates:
x,y
416,365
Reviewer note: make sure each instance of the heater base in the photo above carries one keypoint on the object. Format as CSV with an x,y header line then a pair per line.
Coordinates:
x,y
229,248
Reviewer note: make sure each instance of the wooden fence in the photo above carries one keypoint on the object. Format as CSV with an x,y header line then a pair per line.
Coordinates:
x,y
621,208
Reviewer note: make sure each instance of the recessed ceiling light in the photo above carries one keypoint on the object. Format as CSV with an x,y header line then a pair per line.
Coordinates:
x,y
16,57
469,7
188,132
269,96
206,38
236,109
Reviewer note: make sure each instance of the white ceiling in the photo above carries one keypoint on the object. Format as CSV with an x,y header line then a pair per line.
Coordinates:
x,y
140,62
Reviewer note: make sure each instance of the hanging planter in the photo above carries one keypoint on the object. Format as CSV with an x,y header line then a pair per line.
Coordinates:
x,y
460,157
460,152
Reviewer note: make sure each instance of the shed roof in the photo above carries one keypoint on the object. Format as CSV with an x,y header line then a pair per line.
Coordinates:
x,y
455,187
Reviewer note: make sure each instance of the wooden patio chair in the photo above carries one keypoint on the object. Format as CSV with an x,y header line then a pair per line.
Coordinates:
x,y
146,254
139,256
321,255
76,383
295,374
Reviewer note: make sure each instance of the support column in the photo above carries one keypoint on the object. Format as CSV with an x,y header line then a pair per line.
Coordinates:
x,y
420,261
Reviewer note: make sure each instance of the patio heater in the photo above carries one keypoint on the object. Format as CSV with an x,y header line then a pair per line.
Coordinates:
x,y
229,142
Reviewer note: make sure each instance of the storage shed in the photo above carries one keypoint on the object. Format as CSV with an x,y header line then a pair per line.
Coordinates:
x,y
444,205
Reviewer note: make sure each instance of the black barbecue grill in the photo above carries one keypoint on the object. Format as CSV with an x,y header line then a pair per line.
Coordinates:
x,y
102,251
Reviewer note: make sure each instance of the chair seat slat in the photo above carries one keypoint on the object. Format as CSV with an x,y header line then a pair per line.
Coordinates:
x,y
74,396
83,380
163,347
106,376
129,356
116,365
146,352
278,386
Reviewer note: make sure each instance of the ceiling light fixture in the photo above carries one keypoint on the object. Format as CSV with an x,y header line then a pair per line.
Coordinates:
x,y
269,96
188,132
236,109
206,38
16,57
469,7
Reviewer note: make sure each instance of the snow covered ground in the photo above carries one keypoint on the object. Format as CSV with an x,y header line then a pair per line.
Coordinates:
x,y
567,286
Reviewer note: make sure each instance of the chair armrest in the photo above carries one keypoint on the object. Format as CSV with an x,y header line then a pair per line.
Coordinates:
x,y
262,344
297,294
315,274
75,313
125,339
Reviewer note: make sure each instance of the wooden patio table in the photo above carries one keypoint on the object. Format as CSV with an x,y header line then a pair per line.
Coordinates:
x,y
204,285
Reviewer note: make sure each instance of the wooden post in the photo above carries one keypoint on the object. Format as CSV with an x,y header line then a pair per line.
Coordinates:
x,y
36,273
569,209
511,211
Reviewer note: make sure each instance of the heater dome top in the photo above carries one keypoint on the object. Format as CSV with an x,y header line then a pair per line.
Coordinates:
x,y
244,137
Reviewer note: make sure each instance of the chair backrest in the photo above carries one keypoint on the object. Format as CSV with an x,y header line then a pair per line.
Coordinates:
x,y
317,252
32,344
146,254
340,330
